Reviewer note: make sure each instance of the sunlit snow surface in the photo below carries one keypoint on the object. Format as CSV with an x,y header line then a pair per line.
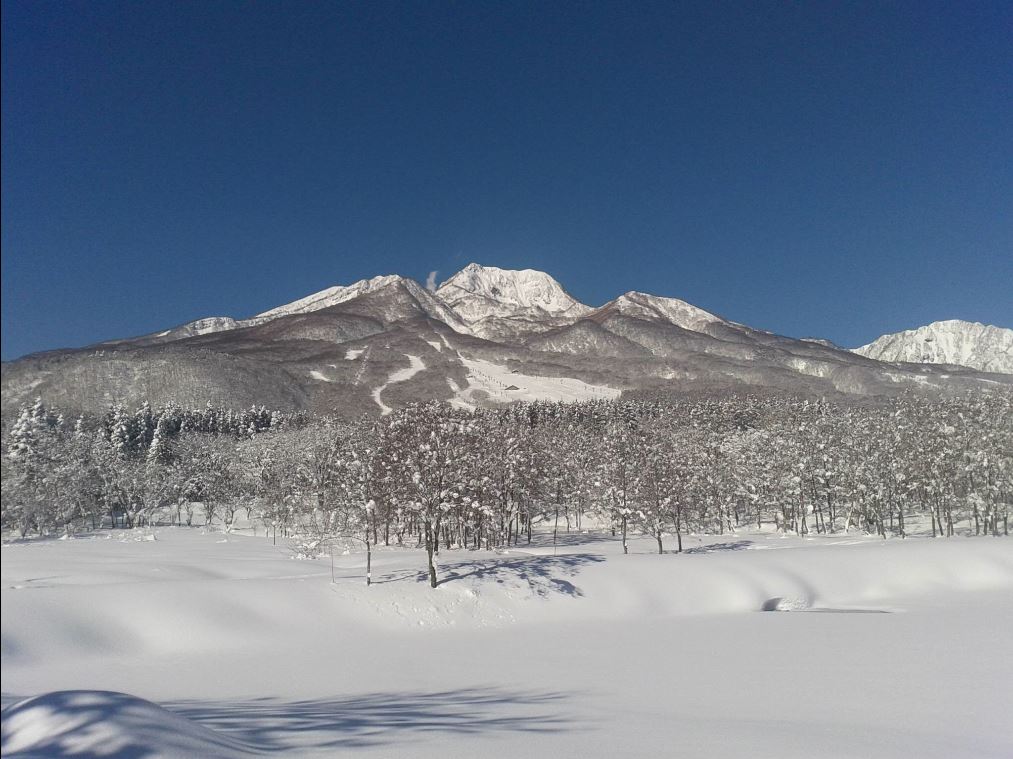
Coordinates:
x,y
978,346
477,292
332,296
894,648
489,381
501,384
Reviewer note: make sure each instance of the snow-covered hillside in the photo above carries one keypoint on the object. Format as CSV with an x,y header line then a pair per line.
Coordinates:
x,y
672,310
230,647
332,296
970,344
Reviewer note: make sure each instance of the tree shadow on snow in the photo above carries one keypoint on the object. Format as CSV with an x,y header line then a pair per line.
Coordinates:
x,y
540,573
376,719
734,545
567,539
544,575
86,723
271,725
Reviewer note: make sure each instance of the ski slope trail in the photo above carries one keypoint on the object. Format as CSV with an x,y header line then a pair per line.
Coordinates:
x,y
488,380
416,365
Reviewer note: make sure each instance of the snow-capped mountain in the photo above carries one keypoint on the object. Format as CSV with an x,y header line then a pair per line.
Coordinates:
x,y
487,336
978,346
478,292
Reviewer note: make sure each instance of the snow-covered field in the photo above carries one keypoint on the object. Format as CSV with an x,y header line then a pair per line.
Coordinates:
x,y
898,648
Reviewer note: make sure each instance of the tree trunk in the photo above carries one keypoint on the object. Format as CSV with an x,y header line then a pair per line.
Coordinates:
x,y
429,554
555,531
432,531
369,561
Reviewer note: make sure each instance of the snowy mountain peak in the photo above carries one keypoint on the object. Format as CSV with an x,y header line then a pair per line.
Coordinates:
x,y
331,296
673,310
953,341
477,292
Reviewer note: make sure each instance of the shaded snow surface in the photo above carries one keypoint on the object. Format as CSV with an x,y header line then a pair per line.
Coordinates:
x,y
893,648
109,724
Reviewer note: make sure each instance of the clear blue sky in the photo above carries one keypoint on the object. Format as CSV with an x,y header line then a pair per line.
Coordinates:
x,y
812,168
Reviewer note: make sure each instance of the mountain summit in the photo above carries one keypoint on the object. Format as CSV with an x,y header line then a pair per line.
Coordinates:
x,y
971,344
478,292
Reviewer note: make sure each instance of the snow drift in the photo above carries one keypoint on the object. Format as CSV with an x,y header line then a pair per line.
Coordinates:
x,y
83,723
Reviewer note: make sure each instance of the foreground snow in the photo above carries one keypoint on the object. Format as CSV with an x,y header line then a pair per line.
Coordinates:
x,y
579,651
103,723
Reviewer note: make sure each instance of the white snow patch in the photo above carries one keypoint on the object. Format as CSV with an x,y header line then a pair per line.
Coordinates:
x,y
810,367
919,379
320,376
497,380
353,353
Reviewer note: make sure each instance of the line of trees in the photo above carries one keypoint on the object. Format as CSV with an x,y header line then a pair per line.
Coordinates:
x,y
441,477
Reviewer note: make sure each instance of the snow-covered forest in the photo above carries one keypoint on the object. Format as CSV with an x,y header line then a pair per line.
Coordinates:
x,y
435,476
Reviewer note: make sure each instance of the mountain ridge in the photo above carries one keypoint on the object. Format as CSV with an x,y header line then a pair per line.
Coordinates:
x,y
494,303
952,341
494,336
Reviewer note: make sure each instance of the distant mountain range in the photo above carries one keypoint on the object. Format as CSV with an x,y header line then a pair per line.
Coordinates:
x,y
489,336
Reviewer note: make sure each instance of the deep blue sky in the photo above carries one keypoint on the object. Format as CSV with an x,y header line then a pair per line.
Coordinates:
x,y
831,169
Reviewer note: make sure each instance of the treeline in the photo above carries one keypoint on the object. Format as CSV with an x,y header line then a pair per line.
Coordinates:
x,y
433,475
129,466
